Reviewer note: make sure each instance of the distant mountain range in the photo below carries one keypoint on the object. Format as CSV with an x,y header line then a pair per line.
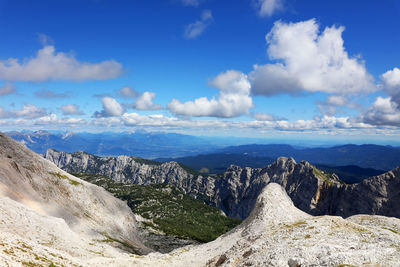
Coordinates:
x,y
212,156
365,156
141,144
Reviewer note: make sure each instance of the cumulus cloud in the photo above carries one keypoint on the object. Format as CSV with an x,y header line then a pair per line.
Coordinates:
x,y
7,89
233,100
50,94
128,92
71,109
111,108
51,65
195,29
391,83
307,60
145,102
268,7
28,111
384,111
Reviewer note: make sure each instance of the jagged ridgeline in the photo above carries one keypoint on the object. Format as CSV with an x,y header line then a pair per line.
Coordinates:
x,y
167,209
235,191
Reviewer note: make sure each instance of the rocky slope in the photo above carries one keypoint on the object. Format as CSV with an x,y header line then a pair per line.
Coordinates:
x,y
235,191
41,204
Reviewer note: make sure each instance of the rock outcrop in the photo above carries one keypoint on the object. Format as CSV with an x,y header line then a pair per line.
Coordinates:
x,y
41,203
236,190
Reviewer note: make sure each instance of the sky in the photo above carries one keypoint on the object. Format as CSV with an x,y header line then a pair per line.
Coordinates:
x,y
249,68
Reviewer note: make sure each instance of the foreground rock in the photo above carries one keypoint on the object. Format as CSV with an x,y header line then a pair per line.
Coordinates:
x,y
236,190
44,209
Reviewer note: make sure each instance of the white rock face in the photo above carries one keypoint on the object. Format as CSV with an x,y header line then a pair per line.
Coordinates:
x,y
39,201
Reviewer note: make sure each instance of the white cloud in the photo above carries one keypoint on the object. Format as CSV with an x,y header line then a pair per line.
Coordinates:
x,y
28,111
384,111
391,80
127,92
51,65
308,60
233,100
71,109
268,7
194,3
195,29
52,119
145,102
111,108
391,84
7,89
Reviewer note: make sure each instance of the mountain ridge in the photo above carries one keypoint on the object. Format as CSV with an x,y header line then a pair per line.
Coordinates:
x,y
235,191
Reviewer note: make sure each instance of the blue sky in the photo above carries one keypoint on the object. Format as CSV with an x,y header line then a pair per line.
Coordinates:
x,y
255,68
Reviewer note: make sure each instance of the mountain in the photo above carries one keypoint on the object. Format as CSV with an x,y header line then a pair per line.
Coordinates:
x,y
143,144
365,156
43,206
51,218
235,191
350,174
218,163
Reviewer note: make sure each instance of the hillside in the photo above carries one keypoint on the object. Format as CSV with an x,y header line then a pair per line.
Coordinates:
x,y
167,209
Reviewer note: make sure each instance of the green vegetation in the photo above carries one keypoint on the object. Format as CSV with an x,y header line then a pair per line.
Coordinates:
x,y
62,176
171,211
327,177
146,161
391,230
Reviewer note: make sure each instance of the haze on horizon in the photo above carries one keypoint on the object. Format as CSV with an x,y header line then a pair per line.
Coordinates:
x,y
278,69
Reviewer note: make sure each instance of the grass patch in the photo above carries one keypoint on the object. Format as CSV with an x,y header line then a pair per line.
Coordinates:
x,y
391,230
62,176
299,223
327,177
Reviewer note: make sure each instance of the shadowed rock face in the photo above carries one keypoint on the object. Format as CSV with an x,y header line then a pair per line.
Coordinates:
x,y
236,190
